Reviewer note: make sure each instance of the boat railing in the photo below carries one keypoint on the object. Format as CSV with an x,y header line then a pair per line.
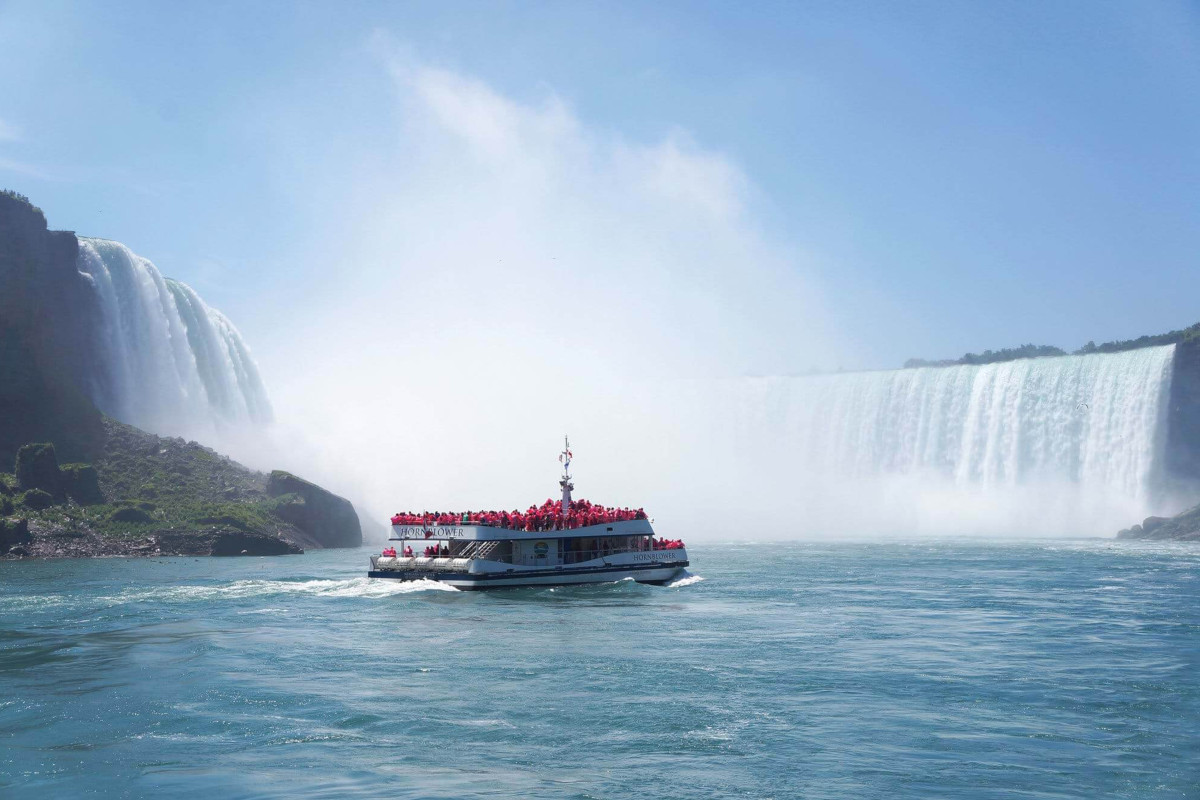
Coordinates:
x,y
433,526
430,563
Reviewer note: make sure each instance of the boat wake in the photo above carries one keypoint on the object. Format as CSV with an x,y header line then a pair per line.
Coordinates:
x,y
686,579
238,590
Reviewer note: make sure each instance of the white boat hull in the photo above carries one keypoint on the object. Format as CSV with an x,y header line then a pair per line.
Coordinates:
x,y
657,568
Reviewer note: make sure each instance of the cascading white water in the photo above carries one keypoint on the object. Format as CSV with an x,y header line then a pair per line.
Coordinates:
x,y
1096,420
1072,444
167,362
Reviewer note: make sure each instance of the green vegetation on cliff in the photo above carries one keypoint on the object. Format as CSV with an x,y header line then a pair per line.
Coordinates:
x,y
147,488
992,356
1187,335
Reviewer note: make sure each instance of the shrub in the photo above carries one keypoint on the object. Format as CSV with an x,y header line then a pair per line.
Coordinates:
x,y
37,499
241,516
128,514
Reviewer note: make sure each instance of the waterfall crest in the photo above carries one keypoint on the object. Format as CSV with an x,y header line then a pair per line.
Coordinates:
x,y
165,361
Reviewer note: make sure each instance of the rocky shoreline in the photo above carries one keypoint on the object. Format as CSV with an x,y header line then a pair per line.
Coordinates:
x,y
1183,527
150,496
21,539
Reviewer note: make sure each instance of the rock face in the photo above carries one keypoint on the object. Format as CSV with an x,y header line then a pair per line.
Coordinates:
x,y
330,520
37,468
81,483
1182,456
1184,527
42,346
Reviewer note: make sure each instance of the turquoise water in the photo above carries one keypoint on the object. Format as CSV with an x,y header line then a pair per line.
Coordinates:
x,y
932,669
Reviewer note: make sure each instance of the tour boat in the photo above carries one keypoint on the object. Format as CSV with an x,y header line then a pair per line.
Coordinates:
x,y
557,544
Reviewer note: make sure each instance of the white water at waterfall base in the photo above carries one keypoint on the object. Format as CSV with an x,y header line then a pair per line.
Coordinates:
x,y
1069,445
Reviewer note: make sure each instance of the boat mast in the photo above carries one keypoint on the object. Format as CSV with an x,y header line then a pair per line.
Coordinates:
x,y
565,483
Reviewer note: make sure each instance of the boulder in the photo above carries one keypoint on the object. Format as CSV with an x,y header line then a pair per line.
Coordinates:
x,y
328,520
1184,526
13,534
81,483
37,468
1150,523
37,500
130,514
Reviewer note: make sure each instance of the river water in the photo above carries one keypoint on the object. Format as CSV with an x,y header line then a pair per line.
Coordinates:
x,y
1065,669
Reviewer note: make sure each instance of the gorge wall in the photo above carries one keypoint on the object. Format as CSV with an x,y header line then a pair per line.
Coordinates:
x,y
46,315
93,336
1181,457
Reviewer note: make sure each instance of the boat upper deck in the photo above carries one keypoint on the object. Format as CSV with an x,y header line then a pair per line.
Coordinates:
x,y
472,531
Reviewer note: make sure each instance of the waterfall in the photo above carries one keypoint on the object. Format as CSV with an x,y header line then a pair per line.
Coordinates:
x,y
1072,444
166,362
1095,420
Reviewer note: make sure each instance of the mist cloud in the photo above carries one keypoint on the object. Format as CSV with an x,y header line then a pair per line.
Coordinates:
x,y
510,274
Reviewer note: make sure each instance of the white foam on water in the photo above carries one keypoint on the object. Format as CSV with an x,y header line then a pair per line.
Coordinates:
x,y
238,590
687,579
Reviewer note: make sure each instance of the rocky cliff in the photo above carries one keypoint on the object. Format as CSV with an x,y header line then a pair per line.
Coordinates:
x,y
42,348
320,514
1184,527
122,491
1182,456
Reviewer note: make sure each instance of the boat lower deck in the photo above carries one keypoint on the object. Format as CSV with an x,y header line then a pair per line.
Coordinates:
x,y
657,573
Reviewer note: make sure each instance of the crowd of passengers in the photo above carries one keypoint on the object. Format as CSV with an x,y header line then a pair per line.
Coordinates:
x,y
433,551
430,552
547,517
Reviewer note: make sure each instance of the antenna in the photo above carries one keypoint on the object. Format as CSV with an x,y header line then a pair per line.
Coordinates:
x,y
565,457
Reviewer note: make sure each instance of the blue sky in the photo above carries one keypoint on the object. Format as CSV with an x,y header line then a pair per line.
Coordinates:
x,y
945,176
